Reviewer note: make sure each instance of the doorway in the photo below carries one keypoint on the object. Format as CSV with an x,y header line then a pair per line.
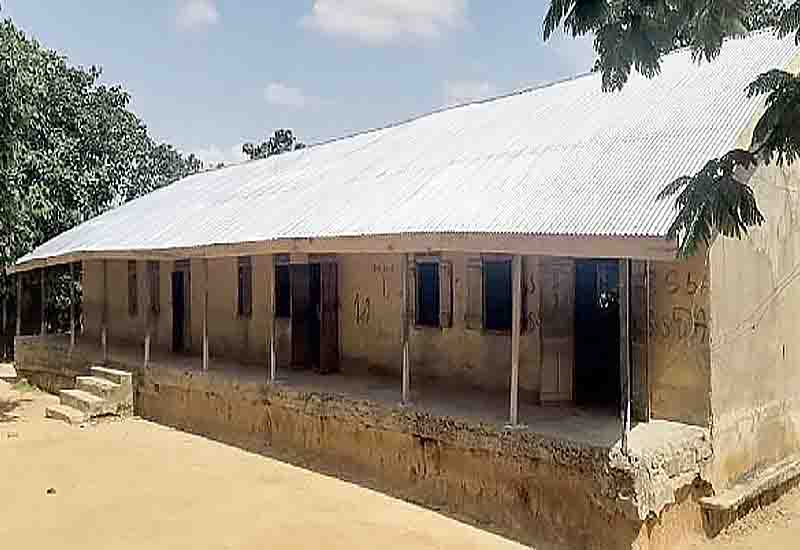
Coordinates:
x,y
315,319
597,381
178,311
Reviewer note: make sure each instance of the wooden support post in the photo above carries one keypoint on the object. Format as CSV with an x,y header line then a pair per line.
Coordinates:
x,y
104,316
624,350
205,314
406,383
4,326
71,307
19,304
148,306
516,321
273,329
43,290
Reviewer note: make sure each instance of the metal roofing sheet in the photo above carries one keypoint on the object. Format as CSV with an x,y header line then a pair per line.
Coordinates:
x,y
561,159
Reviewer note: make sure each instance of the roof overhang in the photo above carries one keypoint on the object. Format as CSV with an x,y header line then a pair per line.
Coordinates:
x,y
643,248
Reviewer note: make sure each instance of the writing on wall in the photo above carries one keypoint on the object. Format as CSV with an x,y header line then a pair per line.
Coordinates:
x,y
685,319
362,309
383,270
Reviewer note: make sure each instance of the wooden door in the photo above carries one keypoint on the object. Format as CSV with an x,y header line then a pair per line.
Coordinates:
x,y
557,276
300,276
178,312
329,322
640,288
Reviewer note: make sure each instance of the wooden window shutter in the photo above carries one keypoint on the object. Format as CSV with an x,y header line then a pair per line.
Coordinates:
x,y
133,290
445,294
474,310
411,299
154,278
526,290
245,287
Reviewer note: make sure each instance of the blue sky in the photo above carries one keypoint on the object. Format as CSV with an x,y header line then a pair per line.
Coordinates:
x,y
207,75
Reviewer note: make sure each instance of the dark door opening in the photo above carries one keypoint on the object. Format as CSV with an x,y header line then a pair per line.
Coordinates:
x,y
597,379
178,311
329,322
314,314
306,301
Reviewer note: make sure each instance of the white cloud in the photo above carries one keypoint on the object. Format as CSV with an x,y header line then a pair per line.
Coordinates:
x,y
384,21
457,92
213,155
283,95
196,14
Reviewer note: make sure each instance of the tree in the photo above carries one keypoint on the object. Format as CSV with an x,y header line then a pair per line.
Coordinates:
x,y
282,141
70,148
636,34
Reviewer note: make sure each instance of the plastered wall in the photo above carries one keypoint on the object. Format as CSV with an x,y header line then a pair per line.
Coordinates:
x,y
679,341
122,327
229,334
371,322
755,356
244,339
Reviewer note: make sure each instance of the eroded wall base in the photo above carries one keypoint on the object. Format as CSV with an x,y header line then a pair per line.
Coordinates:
x,y
536,490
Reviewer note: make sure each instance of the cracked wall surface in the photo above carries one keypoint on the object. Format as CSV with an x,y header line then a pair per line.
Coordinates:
x,y
755,397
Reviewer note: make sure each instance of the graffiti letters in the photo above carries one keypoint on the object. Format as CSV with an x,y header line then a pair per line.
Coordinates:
x,y
685,324
383,270
675,283
361,307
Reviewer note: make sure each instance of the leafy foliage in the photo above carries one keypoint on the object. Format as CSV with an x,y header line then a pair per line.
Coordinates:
x,y
777,133
282,141
70,148
636,34
713,200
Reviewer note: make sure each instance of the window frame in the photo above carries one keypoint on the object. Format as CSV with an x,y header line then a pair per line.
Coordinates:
x,y
429,262
153,275
244,287
133,289
283,300
486,261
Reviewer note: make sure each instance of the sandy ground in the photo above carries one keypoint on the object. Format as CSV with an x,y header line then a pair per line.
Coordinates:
x,y
135,484
774,527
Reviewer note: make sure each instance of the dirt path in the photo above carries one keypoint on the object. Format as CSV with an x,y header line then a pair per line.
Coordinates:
x,y
136,484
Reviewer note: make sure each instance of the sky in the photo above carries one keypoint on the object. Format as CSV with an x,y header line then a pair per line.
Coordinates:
x,y
209,75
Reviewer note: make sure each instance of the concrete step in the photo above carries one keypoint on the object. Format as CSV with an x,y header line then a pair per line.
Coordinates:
x,y
750,490
65,413
8,373
100,387
86,402
113,375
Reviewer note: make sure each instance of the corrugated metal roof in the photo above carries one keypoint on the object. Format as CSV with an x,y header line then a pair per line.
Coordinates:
x,y
561,159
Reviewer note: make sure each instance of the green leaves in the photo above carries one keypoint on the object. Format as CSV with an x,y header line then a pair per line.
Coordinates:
x,y
789,21
777,133
713,200
636,34
282,141
69,147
